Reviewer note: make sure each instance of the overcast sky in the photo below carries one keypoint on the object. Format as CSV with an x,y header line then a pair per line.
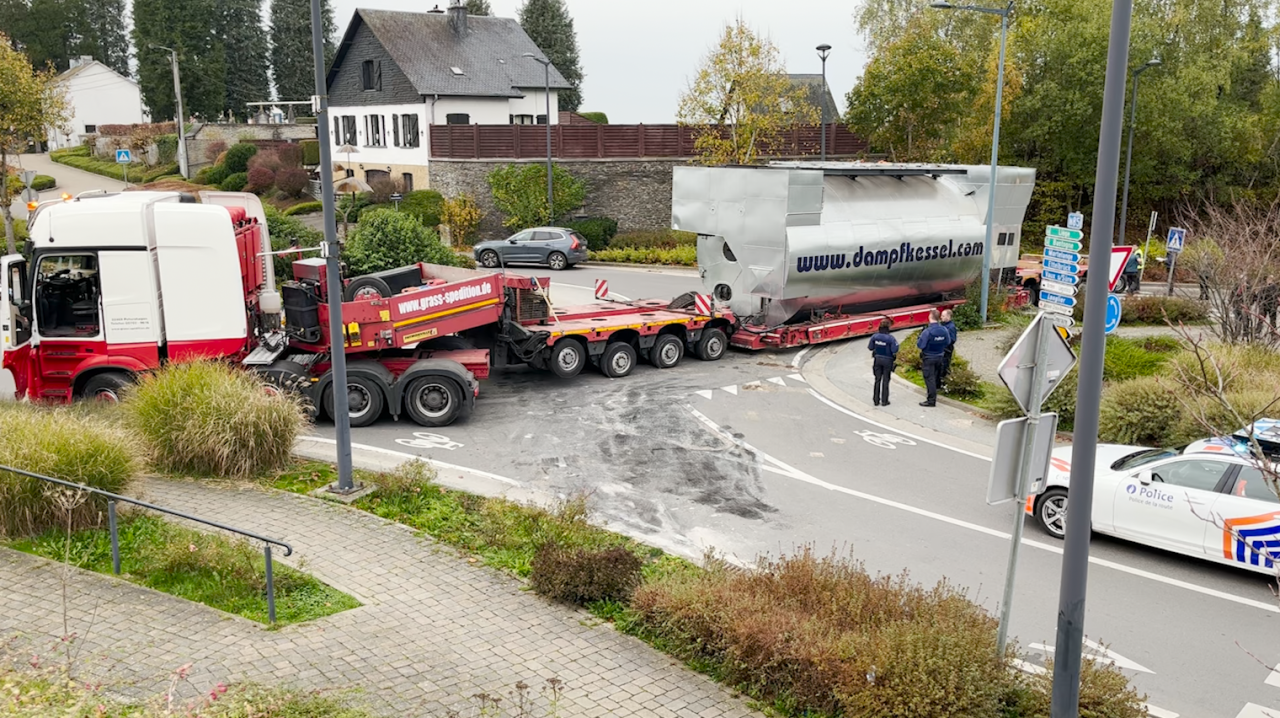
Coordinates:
x,y
638,56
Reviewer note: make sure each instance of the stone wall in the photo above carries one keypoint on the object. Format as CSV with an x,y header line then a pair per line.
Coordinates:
x,y
206,135
637,193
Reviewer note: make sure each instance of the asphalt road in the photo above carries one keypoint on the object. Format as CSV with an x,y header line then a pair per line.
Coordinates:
x,y
764,453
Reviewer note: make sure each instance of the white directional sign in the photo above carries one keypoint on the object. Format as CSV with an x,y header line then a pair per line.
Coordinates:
x,y
1065,290
1075,220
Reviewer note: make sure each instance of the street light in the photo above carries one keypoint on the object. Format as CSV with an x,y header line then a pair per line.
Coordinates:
x,y
1128,159
183,166
823,50
546,69
995,136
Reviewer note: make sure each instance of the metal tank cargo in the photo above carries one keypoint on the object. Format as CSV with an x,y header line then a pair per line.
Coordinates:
x,y
777,243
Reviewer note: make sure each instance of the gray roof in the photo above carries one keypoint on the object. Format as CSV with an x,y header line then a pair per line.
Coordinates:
x,y
426,48
812,83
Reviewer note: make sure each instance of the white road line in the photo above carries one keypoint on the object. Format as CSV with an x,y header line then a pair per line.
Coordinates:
x,y
612,295
732,389
1273,678
401,454
894,429
789,471
704,393
1101,654
1031,668
795,362
776,380
1253,710
1155,712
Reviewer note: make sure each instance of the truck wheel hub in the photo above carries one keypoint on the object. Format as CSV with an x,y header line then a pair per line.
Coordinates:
x,y
670,353
433,400
357,400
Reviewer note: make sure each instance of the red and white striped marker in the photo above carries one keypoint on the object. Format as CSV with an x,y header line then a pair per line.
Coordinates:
x,y
702,303
602,289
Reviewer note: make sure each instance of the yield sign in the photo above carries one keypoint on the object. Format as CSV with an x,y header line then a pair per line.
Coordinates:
x,y
1119,258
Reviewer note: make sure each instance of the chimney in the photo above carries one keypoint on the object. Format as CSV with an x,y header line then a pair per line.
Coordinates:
x,y
458,18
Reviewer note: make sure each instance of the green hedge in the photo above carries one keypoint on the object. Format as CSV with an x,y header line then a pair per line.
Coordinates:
x,y
235,182
599,118
596,230
41,183
304,208
657,239
310,152
107,168
238,157
424,205
679,256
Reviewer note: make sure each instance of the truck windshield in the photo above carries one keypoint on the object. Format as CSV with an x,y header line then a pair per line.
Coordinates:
x,y
1140,458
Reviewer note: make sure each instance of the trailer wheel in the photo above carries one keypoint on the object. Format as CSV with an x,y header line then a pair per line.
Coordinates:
x,y
364,400
106,387
489,259
712,345
667,351
433,400
567,358
362,288
618,360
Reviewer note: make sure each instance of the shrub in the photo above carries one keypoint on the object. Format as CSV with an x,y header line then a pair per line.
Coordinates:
x,y
1153,310
520,193
969,314
962,381
269,160
81,447
386,239
462,216
159,171
166,148
1127,358
238,157
596,230
599,118
1242,366
234,183
1249,403
289,155
217,175
680,256
260,179
1104,693
1141,411
908,353
310,152
40,183
214,150
209,419
381,189
292,181
660,239
425,205
303,208
582,576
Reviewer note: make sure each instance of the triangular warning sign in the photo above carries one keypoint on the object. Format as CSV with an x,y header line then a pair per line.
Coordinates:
x,y
1119,258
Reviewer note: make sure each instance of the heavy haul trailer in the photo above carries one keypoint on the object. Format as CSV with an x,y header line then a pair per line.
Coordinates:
x,y
810,252
120,284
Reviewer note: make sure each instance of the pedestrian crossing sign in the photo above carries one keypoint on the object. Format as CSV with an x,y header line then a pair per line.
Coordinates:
x,y
1177,237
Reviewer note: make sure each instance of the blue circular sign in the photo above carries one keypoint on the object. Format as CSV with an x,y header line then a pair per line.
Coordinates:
x,y
1113,312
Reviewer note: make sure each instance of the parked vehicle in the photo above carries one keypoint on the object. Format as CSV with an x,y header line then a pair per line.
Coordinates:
x,y
556,247
1031,266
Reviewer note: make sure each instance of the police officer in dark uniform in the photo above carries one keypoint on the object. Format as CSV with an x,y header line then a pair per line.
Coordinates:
x,y
950,326
884,350
933,343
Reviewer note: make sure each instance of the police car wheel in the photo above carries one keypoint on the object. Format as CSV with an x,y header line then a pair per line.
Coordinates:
x,y
1051,512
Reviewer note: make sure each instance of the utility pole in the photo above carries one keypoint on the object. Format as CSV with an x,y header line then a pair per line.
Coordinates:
x,y
546,69
1075,559
179,121
330,250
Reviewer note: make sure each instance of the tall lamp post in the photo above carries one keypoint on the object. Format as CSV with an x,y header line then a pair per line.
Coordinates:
x,y
995,136
823,50
546,71
180,123
1128,158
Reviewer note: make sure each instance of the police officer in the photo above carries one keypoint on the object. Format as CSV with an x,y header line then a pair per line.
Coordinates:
x,y
950,326
933,343
884,350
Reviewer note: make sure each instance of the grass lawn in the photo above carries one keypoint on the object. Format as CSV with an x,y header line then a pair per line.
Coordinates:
x,y
212,569
984,401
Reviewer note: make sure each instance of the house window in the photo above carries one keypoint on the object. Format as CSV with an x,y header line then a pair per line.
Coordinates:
x,y
371,75
522,119
90,129
542,120
375,131
410,133
349,130
457,118
372,176
406,180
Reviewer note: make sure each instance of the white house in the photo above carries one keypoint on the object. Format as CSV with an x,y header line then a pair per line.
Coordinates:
x,y
398,73
96,95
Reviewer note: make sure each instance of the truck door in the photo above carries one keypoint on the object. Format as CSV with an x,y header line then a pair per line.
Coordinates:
x,y
15,320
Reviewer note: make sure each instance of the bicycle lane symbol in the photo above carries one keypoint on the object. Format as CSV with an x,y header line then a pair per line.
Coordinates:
x,y
884,441
427,440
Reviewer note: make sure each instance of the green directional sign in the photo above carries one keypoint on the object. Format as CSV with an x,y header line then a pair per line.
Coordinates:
x,y
1063,233
1067,244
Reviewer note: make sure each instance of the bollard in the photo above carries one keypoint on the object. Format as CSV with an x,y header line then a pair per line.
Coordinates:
x,y
271,589
115,537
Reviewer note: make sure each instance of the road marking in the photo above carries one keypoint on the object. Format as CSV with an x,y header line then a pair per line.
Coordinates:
x,y
705,393
1253,710
1101,654
776,380
1031,668
427,440
860,417
795,362
783,469
884,441
1155,712
797,377
441,464
731,389
1273,678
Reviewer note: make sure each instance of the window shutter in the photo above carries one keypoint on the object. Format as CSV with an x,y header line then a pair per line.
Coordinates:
x,y
377,77
395,130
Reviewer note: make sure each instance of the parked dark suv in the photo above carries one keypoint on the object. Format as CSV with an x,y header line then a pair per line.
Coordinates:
x,y
556,247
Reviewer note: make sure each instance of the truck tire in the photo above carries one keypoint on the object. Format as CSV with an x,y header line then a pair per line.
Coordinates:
x,y
1033,288
106,387
366,288
666,352
433,400
557,261
364,400
489,259
711,345
568,357
618,360
289,377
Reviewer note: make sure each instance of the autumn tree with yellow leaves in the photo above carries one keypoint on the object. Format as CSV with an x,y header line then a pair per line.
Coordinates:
x,y
30,103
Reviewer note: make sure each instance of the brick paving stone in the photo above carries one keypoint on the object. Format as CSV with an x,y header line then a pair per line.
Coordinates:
x,y
434,629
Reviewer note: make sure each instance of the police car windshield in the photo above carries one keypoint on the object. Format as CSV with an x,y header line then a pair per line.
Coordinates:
x,y
1141,458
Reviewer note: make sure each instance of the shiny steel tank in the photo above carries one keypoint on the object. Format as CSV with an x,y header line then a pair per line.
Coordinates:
x,y
777,242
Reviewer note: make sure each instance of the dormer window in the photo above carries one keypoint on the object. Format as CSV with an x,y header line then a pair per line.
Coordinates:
x,y
371,75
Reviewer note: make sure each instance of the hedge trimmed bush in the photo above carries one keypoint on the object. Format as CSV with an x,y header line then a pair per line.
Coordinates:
x,y
210,419
304,208
292,181
259,179
1152,310
585,576
217,175
679,256
424,205
596,230
386,239
234,183
161,170
656,239
81,447
520,193
238,157
310,152
1142,411
599,118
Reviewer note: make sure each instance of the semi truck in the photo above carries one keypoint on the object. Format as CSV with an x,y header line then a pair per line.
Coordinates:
x,y
115,285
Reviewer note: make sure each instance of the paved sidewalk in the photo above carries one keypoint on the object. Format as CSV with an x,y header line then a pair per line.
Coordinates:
x,y
434,629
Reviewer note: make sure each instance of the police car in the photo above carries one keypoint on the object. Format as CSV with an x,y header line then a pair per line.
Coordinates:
x,y
1208,499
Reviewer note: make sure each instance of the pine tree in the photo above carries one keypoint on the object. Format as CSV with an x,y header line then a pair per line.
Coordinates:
x,y
244,40
103,35
189,27
292,63
479,7
551,28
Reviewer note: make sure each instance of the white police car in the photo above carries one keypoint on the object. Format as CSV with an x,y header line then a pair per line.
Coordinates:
x,y
1208,499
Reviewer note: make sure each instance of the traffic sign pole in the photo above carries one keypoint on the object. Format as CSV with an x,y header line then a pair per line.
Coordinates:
x,y
1173,261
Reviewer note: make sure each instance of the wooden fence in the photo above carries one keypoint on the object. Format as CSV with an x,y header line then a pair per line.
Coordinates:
x,y
576,141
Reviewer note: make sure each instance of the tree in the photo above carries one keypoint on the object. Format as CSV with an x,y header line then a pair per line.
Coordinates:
x,y
245,40
30,102
478,7
550,26
741,99
103,36
520,192
386,239
54,31
292,61
191,28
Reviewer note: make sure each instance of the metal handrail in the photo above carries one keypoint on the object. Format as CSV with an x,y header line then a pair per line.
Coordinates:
x,y
115,540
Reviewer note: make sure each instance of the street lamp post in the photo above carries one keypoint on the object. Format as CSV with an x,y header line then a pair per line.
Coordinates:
x,y
546,70
995,136
823,50
183,164
1128,158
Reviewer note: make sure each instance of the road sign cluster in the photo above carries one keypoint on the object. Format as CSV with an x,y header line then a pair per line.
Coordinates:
x,y
1060,272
